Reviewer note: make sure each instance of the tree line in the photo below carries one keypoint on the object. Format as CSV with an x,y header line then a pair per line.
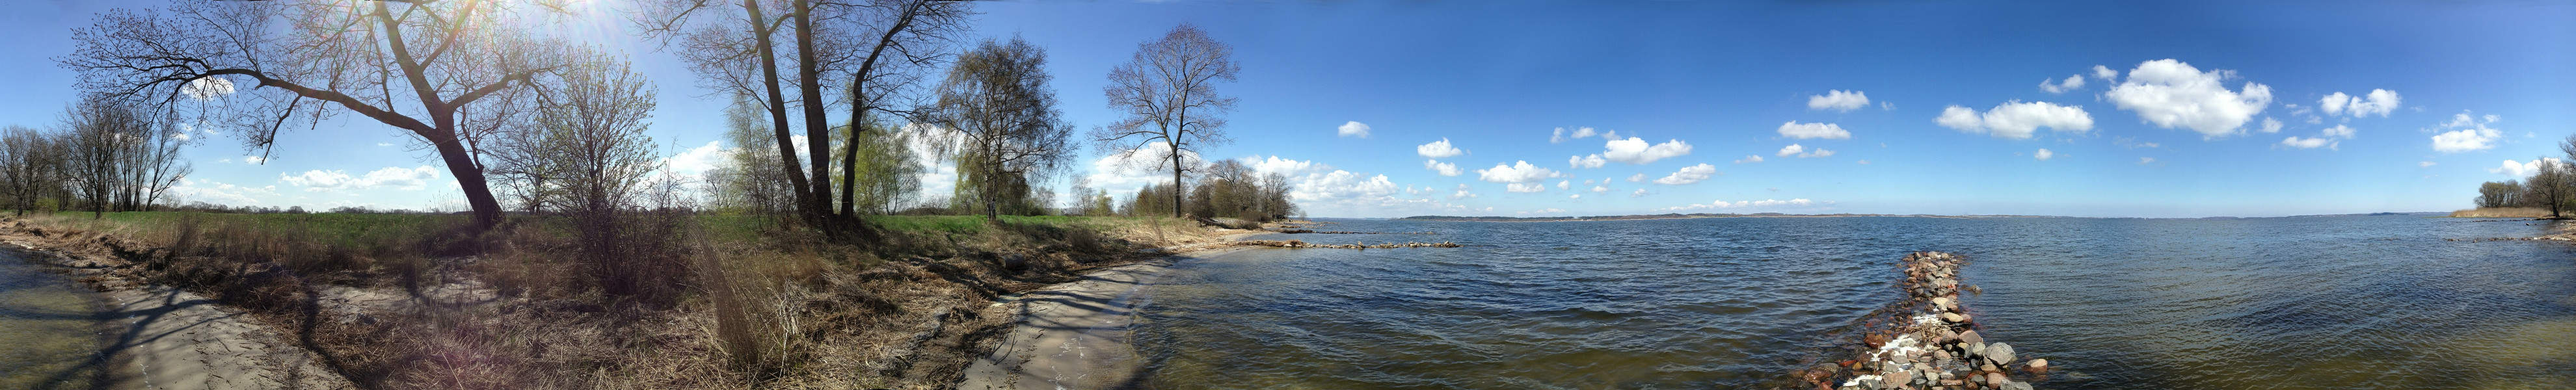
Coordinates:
x,y
102,156
833,101
2552,185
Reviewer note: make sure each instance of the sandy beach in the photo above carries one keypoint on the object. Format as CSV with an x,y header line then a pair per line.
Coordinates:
x,y
1078,335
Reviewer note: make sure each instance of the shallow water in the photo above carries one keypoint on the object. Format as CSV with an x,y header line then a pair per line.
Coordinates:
x,y
2269,303
48,328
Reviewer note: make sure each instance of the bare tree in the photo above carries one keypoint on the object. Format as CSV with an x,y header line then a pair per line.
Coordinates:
x,y
445,72
1169,95
28,165
585,151
997,102
875,44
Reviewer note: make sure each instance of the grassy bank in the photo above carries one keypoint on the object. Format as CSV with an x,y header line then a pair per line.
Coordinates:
x,y
413,301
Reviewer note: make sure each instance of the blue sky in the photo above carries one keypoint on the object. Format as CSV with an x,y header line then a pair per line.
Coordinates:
x,y
2178,129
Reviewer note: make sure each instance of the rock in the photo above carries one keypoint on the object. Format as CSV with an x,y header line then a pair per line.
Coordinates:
x,y
1941,355
1971,337
1996,378
1900,377
1975,349
2038,364
2001,353
1954,317
1900,358
2016,386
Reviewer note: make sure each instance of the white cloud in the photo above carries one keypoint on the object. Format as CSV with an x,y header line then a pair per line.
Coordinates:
x,y
254,159
1641,192
1795,130
1341,185
2377,101
1562,184
2305,143
2043,154
2423,164
1838,100
384,144
2271,125
2105,73
1722,204
2468,134
2524,169
1600,189
2329,138
1284,167
2339,131
1462,193
1634,150
1574,196
2016,119
193,190
1520,172
2146,160
2072,83
2172,94
1559,135
1524,187
1125,171
1438,149
1637,178
1688,175
698,160
1861,162
1352,129
410,179
1749,159
1592,161
1801,152
1445,169
204,88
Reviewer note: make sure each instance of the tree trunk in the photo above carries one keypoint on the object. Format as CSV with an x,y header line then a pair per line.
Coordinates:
x,y
478,193
818,136
778,114
1176,180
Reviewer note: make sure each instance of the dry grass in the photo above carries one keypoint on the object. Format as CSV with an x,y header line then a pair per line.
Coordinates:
x,y
2502,212
671,304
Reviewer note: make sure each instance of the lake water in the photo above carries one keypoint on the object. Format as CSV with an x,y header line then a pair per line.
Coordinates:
x,y
2380,302
49,328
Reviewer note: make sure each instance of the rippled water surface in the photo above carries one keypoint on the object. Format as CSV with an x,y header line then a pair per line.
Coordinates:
x,y
48,328
2299,302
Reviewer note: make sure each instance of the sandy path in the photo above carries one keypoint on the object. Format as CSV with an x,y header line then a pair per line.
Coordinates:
x,y
166,338
1078,335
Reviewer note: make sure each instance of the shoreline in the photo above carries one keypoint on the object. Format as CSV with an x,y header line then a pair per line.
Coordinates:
x,y
1078,335
161,337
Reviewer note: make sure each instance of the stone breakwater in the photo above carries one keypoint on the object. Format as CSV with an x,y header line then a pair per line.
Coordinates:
x,y
1929,342
1361,245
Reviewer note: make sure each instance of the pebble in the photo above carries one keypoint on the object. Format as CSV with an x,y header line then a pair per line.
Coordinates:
x,y
2001,353
2038,364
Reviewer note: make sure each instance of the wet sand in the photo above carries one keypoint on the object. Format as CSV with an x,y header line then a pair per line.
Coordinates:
x,y
1079,335
165,338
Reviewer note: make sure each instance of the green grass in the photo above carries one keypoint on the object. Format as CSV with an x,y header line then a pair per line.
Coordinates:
x,y
342,229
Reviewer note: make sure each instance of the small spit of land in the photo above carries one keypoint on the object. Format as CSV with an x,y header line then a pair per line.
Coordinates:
x,y
1926,341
